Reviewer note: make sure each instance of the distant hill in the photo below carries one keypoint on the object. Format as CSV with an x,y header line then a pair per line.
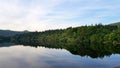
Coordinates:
x,y
116,24
11,33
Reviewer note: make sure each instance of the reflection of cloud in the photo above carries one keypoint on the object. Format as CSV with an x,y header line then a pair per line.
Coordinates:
x,y
41,14
28,57
18,57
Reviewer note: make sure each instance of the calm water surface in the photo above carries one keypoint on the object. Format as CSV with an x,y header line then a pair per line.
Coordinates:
x,y
19,56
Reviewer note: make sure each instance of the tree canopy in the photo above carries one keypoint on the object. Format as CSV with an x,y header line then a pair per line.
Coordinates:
x,y
78,35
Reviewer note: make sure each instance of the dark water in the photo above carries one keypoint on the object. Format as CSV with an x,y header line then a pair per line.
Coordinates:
x,y
20,56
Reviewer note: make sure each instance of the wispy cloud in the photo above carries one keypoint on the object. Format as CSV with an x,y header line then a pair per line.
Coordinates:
x,y
53,14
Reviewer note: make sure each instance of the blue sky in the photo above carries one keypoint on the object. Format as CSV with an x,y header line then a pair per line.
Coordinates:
x,y
40,15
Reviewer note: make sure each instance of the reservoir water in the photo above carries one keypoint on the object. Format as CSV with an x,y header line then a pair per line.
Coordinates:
x,y
20,56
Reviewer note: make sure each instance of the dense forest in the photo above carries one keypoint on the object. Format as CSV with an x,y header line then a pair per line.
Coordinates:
x,y
102,34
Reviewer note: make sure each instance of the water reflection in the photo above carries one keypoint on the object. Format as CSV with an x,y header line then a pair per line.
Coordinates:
x,y
73,56
90,50
6,44
28,57
93,51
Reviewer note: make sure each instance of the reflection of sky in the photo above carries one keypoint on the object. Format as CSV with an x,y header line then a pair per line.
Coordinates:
x,y
30,57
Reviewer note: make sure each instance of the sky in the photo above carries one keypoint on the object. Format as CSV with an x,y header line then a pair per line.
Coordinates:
x,y
40,15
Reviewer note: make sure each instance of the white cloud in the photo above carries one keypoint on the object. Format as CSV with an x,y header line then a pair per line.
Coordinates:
x,y
50,14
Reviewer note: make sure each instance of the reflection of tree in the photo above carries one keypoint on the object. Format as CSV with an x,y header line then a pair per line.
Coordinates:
x,y
93,51
6,44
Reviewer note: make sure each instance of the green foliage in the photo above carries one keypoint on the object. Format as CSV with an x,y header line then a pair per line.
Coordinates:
x,y
113,37
79,35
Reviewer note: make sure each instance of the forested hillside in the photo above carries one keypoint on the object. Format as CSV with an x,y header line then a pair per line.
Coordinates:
x,y
5,35
116,24
10,33
78,35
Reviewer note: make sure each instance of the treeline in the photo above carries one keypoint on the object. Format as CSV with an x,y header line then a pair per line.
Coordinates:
x,y
71,36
